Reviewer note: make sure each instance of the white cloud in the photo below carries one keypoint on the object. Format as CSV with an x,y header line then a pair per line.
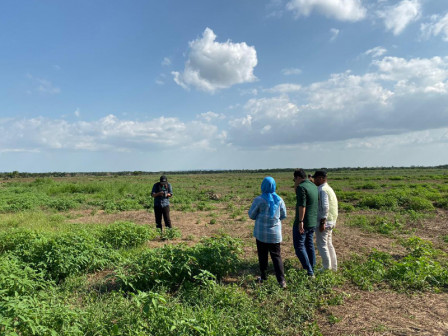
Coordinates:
x,y
346,92
343,10
77,112
400,96
437,26
418,138
212,65
210,116
248,92
166,61
284,88
275,9
106,134
291,71
415,75
334,34
376,52
397,18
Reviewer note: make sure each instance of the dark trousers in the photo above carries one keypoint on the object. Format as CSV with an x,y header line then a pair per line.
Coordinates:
x,y
304,247
274,249
165,212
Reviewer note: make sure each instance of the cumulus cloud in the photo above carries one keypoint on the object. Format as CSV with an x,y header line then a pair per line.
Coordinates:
x,y
416,75
438,25
267,122
397,97
213,65
342,10
106,134
400,96
397,18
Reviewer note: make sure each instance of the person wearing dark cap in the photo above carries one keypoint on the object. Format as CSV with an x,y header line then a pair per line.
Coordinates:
x,y
326,219
305,220
162,191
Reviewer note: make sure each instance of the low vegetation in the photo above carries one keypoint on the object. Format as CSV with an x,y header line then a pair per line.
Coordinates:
x,y
62,277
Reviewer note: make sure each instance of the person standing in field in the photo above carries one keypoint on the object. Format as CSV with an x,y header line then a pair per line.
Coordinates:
x,y
305,220
326,219
268,210
162,191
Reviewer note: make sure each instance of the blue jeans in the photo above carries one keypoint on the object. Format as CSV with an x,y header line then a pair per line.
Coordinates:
x,y
304,247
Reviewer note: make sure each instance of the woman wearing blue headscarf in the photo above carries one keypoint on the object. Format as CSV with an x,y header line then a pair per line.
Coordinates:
x,y
268,210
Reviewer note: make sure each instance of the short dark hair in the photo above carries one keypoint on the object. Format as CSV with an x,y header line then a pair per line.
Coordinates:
x,y
320,173
299,172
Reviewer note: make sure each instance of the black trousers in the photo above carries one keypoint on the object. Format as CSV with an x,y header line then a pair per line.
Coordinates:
x,y
165,212
274,249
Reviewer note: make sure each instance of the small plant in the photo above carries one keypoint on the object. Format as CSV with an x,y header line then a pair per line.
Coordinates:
x,y
170,233
346,207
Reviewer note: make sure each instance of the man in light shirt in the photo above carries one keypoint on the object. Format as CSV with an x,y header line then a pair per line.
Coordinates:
x,y
326,221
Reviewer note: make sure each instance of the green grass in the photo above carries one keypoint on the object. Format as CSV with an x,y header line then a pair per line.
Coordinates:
x,y
58,278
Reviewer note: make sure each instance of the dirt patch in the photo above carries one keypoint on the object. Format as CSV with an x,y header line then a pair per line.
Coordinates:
x,y
386,313
434,228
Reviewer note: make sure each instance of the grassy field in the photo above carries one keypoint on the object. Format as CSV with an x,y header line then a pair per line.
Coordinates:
x,y
81,256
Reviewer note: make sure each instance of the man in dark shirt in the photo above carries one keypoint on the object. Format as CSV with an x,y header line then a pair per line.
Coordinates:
x,y
162,191
305,220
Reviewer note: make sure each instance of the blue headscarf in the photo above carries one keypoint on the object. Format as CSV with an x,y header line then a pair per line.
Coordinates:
x,y
268,193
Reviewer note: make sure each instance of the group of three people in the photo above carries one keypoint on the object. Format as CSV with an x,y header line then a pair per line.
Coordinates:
x,y
316,206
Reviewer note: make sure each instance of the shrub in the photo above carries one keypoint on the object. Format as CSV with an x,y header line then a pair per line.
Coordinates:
x,y
379,201
66,254
62,204
42,313
126,234
442,203
17,278
368,273
218,255
368,186
380,224
419,204
418,270
170,233
346,207
18,239
170,266
120,205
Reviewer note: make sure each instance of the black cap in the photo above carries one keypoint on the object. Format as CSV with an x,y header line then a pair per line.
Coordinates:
x,y
163,179
318,173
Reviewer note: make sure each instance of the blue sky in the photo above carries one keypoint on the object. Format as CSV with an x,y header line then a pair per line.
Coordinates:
x,y
238,84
